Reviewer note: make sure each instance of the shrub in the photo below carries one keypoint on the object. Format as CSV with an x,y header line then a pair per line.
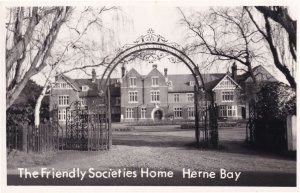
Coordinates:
x,y
275,102
22,111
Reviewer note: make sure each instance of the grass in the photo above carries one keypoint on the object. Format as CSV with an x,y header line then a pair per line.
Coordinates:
x,y
168,147
16,158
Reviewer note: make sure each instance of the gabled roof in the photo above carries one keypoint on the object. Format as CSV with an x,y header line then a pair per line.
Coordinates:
x,y
70,81
93,86
256,70
153,71
133,71
220,80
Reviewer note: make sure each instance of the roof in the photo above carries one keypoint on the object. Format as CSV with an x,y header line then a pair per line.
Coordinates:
x,y
78,83
181,82
243,77
228,76
257,70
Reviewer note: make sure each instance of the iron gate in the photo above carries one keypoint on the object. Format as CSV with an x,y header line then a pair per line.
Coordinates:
x,y
87,128
98,133
76,128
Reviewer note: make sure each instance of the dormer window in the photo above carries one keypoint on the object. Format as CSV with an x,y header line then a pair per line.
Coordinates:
x,y
170,84
192,83
85,88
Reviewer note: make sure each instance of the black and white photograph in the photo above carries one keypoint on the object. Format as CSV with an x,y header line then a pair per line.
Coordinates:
x,y
146,94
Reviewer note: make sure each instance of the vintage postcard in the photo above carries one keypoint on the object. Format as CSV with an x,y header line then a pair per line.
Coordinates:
x,y
149,96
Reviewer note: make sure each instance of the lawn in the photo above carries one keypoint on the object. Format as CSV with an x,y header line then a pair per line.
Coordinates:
x,y
169,148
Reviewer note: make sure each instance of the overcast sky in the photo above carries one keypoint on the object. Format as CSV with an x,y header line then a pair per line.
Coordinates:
x,y
164,20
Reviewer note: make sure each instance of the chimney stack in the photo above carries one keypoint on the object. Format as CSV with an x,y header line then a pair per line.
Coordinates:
x,y
56,76
122,71
166,72
154,65
94,77
234,71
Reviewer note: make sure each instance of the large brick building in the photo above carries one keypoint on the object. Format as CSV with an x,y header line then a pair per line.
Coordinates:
x,y
67,91
157,95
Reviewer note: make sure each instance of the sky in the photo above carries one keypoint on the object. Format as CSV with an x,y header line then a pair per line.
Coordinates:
x,y
164,19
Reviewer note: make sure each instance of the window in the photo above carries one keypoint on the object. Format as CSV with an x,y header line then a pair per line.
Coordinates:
x,y
63,100
154,81
228,111
129,113
62,115
62,85
223,111
190,97
85,88
176,97
191,112
193,83
227,96
132,96
170,84
132,81
155,96
177,112
143,112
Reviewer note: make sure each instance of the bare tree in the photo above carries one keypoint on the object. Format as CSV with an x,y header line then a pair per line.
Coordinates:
x,y
281,15
269,30
79,52
225,34
31,34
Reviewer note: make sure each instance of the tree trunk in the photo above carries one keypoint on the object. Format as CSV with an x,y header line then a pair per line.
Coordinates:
x,y
41,57
38,106
11,96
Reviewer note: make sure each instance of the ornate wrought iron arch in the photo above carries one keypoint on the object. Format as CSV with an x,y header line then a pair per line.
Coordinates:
x,y
154,42
157,43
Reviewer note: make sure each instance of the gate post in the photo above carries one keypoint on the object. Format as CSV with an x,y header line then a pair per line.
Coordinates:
x,y
25,137
196,116
109,117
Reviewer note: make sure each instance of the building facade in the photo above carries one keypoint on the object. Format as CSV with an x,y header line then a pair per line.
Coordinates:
x,y
143,97
67,91
159,96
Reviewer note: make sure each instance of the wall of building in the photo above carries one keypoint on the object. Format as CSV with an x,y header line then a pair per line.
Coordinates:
x,y
144,88
183,103
237,101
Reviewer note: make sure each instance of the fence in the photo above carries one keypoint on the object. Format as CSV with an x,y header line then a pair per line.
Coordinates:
x,y
14,137
52,137
30,138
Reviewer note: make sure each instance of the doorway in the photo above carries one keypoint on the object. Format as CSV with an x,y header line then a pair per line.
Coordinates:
x,y
158,115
